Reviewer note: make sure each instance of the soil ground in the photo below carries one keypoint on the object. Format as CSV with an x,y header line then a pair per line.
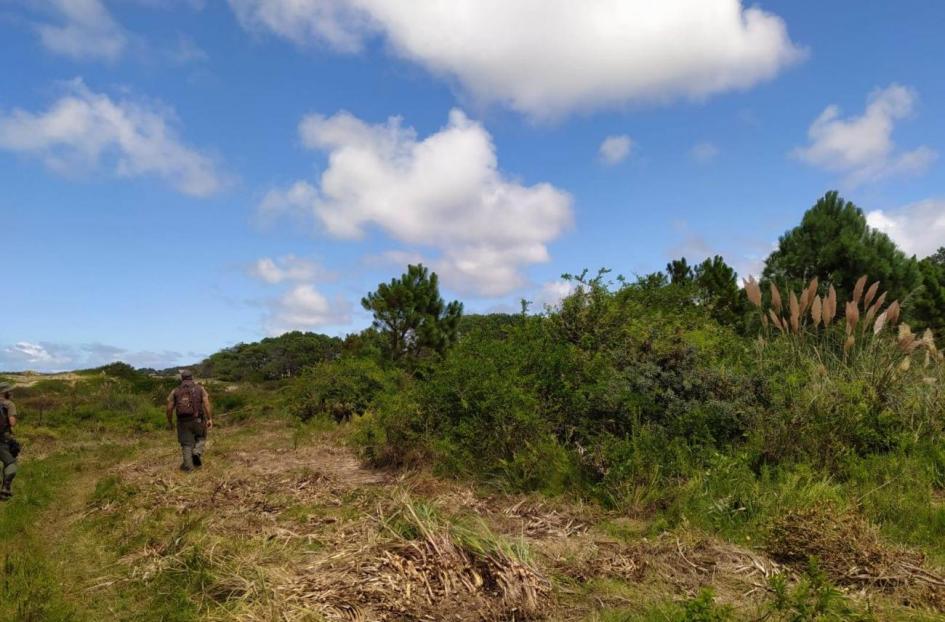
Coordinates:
x,y
287,525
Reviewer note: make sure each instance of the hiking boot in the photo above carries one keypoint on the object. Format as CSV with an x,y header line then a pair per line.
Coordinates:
x,y
197,461
6,491
187,454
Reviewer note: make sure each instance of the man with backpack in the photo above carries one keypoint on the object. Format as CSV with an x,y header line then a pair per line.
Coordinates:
x,y
9,448
194,417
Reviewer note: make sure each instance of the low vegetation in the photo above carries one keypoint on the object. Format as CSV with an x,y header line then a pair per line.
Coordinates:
x,y
675,446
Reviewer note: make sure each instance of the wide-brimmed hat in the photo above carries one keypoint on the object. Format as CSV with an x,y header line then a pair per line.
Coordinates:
x,y
186,374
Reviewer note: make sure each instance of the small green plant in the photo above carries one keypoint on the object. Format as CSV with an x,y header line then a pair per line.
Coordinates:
x,y
703,608
812,599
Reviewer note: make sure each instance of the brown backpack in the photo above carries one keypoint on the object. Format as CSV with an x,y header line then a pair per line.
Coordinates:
x,y
188,400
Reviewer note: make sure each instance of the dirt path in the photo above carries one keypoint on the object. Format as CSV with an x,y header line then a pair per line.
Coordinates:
x,y
278,527
285,526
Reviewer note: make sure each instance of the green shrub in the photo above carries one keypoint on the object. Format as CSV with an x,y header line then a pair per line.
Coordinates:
x,y
812,599
340,389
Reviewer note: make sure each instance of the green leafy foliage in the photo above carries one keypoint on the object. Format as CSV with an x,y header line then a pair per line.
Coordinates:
x,y
661,396
273,358
835,244
340,389
812,599
928,307
411,314
712,285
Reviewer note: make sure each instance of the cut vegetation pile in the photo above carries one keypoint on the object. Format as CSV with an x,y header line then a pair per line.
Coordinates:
x,y
852,553
293,532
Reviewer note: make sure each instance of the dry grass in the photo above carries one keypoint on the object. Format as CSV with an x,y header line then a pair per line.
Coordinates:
x,y
852,553
308,534
303,534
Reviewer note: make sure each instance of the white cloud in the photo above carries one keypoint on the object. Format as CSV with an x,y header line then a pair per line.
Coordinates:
x,y
862,147
82,29
703,153
550,57
337,23
918,229
32,354
615,149
84,131
288,268
295,201
443,193
553,292
51,357
304,308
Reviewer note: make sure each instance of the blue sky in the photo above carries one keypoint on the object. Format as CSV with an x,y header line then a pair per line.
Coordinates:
x,y
180,175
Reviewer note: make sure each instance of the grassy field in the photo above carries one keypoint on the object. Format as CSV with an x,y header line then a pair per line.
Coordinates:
x,y
285,524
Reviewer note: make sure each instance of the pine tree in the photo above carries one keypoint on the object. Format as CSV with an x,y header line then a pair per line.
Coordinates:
x,y
411,314
928,307
835,244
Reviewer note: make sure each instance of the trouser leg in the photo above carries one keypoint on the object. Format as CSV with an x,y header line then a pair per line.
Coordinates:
x,y
185,435
187,455
198,451
8,470
200,441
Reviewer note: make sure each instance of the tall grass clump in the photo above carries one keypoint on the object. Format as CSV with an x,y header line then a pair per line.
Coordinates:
x,y
852,383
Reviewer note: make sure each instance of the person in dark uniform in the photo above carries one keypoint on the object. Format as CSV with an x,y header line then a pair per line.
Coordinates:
x,y
8,447
191,403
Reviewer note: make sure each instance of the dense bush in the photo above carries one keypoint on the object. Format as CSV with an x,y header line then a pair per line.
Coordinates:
x,y
96,402
340,389
634,395
273,358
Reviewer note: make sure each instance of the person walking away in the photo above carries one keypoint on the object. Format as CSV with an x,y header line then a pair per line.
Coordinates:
x,y
9,448
191,403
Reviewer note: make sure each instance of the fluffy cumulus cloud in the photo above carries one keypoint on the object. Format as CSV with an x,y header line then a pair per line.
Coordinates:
x,y
289,268
84,131
918,229
443,193
549,57
862,147
52,357
615,149
303,307
81,29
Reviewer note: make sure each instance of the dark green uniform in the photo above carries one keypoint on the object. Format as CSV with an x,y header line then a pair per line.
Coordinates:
x,y
191,404
8,465
191,432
